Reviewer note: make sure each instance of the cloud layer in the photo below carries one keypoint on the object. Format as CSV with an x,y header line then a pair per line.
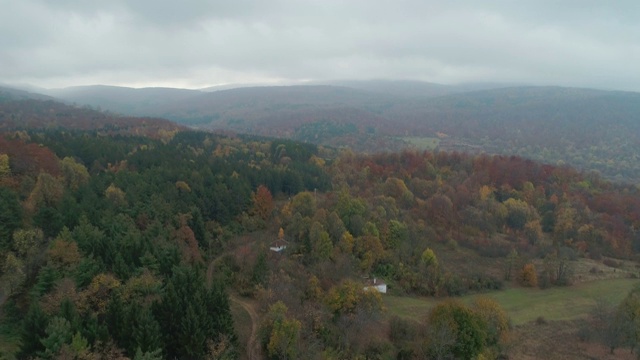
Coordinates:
x,y
195,43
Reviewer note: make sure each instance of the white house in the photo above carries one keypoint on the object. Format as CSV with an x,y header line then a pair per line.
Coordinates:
x,y
278,245
375,284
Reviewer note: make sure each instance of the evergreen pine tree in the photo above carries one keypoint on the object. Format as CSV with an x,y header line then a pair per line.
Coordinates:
x,y
33,329
146,331
68,311
10,216
58,333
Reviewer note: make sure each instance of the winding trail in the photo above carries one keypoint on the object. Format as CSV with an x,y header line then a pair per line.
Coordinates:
x,y
253,346
253,349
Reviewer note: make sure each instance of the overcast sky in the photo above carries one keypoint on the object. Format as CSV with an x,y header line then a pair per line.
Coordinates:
x,y
193,43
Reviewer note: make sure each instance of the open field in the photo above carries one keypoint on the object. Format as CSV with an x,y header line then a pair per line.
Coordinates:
x,y
422,143
558,340
525,305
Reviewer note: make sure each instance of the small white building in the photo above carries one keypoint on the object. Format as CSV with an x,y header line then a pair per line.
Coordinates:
x,y
278,245
375,284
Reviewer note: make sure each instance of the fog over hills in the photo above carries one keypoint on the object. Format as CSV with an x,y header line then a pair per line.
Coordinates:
x,y
8,93
128,101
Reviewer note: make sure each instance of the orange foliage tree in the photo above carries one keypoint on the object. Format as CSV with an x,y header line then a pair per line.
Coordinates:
x,y
528,276
262,202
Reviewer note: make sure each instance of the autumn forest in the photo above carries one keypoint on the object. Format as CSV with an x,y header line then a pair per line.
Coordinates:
x,y
128,237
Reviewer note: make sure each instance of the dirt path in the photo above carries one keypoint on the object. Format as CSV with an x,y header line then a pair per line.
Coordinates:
x,y
254,352
253,346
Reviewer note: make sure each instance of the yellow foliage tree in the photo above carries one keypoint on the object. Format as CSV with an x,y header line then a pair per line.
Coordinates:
x,y
283,342
429,258
528,276
26,242
74,173
145,287
48,191
182,186
350,298
346,243
314,291
64,254
494,317
485,192
5,169
115,195
280,333
96,296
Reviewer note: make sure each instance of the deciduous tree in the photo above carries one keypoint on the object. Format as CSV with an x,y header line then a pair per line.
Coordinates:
x,y
47,192
528,276
74,174
262,202
465,332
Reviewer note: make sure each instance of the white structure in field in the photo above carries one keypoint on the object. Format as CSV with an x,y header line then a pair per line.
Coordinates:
x,y
278,245
375,284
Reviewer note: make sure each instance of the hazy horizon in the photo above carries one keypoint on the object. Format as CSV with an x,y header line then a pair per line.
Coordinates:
x,y
197,44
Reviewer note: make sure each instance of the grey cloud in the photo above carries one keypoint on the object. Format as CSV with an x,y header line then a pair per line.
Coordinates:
x,y
575,43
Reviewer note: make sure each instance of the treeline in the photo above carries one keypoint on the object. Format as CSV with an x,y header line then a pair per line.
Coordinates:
x,y
105,240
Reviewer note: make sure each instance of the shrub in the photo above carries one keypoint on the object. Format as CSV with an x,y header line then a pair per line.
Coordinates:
x,y
612,263
528,276
402,330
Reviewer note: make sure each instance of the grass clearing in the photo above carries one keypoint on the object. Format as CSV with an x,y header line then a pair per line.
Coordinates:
x,y
524,305
422,143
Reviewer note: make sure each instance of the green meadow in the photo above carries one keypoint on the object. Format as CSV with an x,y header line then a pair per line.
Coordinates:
x,y
526,304
422,143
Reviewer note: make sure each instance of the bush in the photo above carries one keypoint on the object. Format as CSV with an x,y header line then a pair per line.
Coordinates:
x,y
612,263
544,281
455,286
402,330
584,333
484,282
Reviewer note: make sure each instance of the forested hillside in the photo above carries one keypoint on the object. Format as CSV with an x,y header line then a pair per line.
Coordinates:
x,y
105,235
588,129
11,94
121,243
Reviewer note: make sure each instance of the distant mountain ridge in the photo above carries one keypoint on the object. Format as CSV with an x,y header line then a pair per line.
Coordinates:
x,y
123,100
12,94
591,129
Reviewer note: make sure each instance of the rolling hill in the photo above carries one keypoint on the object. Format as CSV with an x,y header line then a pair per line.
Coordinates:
x,y
12,94
122,100
590,129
